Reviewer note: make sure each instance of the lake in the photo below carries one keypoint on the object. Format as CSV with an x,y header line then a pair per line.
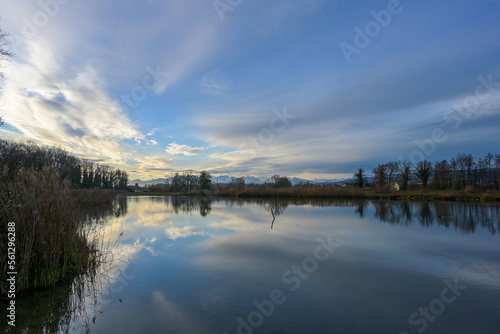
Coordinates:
x,y
191,265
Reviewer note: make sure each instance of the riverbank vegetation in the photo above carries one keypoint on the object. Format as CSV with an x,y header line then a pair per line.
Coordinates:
x,y
461,179
43,191
462,172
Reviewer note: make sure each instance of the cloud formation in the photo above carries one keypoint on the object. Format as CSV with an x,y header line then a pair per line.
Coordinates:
x,y
221,81
75,112
176,149
183,232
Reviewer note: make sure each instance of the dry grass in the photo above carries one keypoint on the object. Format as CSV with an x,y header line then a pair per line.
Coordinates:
x,y
328,192
294,192
51,242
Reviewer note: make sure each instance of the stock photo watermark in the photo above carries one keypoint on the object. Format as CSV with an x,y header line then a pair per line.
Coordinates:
x,y
11,273
293,279
427,314
34,24
222,6
371,30
266,135
483,92
151,81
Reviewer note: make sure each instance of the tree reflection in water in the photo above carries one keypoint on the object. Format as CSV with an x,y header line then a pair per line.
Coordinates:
x,y
461,216
74,304
181,204
464,217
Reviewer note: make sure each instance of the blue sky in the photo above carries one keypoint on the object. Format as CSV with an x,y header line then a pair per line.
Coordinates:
x,y
313,89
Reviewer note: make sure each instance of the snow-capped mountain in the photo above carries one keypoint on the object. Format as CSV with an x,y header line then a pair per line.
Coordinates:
x,y
248,180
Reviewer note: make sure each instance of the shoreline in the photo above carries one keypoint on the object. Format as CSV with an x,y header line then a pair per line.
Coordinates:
x,y
308,193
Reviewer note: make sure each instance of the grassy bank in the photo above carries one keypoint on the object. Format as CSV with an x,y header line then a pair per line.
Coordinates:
x,y
429,195
327,192
51,242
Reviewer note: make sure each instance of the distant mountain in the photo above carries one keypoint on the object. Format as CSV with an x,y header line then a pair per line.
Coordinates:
x,y
248,180
142,183
229,179
296,180
334,181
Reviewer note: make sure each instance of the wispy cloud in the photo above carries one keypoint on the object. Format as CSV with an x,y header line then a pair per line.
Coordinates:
x,y
212,83
76,112
227,77
185,57
176,149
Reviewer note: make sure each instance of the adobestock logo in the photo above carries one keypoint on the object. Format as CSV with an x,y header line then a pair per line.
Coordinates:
x,y
436,306
485,91
293,278
151,81
363,37
49,9
31,27
266,135
222,6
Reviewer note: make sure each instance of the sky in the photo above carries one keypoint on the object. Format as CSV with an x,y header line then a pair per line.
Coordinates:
x,y
311,89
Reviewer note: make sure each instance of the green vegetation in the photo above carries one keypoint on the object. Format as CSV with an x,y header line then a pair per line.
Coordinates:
x,y
40,192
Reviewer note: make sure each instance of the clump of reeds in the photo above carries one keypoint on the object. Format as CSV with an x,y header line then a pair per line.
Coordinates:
x,y
294,192
93,196
50,241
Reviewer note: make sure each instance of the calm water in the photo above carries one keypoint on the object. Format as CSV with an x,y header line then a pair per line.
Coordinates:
x,y
177,265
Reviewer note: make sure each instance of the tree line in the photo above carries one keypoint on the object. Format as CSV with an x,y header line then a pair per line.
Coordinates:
x,y
82,173
188,181
460,173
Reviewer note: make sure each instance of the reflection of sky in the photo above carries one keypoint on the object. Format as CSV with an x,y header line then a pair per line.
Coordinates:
x,y
197,274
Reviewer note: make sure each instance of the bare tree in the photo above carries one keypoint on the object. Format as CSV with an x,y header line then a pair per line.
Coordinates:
x,y
280,181
392,167
405,172
466,166
238,183
442,175
380,173
5,54
497,171
423,171
489,164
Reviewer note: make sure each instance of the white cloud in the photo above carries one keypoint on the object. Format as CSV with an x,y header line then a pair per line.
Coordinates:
x,y
155,162
153,166
76,113
175,149
183,232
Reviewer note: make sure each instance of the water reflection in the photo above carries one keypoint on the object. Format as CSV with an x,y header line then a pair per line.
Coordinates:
x,y
465,217
203,261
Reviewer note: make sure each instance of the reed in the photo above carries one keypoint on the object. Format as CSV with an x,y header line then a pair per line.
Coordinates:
x,y
352,193
51,241
294,192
